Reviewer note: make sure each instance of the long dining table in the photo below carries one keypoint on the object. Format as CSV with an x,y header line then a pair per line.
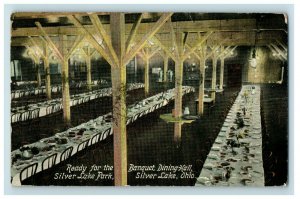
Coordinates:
x,y
15,94
235,158
47,152
36,110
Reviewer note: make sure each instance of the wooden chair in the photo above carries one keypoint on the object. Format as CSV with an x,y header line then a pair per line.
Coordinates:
x,y
15,117
82,145
49,162
105,134
25,115
28,171
66,154
95,139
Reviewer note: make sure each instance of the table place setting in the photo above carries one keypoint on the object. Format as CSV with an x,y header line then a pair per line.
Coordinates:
x,y
74,137
235,158
54,105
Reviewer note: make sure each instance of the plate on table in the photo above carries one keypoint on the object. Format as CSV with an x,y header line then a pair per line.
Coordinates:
x,y
209,166
218,141
213,156
215,148
256,136
204,181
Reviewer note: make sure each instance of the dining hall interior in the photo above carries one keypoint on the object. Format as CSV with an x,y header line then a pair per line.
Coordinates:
x,y
159,99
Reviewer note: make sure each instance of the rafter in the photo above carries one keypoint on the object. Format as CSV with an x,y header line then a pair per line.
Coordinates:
x,y
279,51
91,39
133,32
273,50
228,53
154,52
193,53
40,52
203,39
225,51
150,33
215,48
282,45
49,41
163,47
173,38
107,40
78,41
33,54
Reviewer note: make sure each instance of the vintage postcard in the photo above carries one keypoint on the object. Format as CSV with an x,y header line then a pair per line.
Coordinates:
x,y
149,99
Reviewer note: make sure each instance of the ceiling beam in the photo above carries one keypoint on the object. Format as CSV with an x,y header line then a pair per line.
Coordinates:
x,y
92,40
37,47
203,39
274,51
282,45
78,41
150,33
229,53
49,41
231,25
163,47
279,51
133,32
107,40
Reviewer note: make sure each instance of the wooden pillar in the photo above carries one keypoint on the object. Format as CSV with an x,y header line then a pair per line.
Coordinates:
x,y
38,74
47,71
88,72
135,69
146,76
177,132
214,78
222,69
178,88
66,92
65,81
166,60
117,23
201,87
178,85
47,78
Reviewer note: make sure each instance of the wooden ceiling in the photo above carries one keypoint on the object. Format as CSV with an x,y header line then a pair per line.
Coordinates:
x,y
210,29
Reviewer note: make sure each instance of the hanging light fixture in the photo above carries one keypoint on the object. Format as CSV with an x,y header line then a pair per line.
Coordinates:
x,y
253,59
254,53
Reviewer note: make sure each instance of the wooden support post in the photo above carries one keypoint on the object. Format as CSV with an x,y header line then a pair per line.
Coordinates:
x,y
135,69
214,78
146,76
38,74
178,88
222,69
88,72
178,84
118,76
47,72
47,78
65,81
146,72
166,60
177,132
201,87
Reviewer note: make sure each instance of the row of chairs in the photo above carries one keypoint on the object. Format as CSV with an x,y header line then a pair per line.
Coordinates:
x,y
50,161
27,115
47,163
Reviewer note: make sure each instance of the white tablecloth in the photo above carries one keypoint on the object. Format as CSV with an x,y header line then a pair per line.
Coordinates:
x,y
100,127
242,163
41,109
